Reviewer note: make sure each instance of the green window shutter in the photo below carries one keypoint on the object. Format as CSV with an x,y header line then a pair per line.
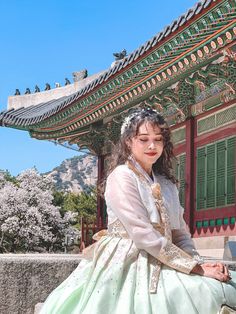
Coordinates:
x,y
181,179
201,178
210,190
220,174
175,165
230,170
179,171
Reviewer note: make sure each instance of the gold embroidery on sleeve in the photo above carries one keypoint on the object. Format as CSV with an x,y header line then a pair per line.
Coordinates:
x,y
175,258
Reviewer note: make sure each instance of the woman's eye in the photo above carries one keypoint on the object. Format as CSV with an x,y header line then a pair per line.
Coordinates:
x,y
143,140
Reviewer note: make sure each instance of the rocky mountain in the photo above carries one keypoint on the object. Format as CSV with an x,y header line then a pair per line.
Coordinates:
x,y
75,174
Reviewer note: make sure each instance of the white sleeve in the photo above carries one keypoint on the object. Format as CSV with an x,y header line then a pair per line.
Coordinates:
x,y
181,237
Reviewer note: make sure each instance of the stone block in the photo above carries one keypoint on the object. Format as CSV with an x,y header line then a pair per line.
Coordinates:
x,y
27,279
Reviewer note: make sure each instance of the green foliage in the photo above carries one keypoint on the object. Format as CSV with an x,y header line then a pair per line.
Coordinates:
x,y
58,200
84,203
8,177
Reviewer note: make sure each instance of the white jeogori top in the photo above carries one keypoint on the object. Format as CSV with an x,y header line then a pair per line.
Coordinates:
x,y
129,200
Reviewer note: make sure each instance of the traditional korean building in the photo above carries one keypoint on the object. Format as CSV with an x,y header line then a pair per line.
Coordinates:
x,y
187,71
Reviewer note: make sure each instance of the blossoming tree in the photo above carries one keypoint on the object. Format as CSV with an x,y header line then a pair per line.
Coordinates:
x,y
28,219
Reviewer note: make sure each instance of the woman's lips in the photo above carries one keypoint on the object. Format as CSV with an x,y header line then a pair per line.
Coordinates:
x,y
151,154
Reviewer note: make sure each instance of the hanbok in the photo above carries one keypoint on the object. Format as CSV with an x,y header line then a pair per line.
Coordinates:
x,y
141,264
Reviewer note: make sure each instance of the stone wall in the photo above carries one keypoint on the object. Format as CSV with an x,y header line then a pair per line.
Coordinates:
x,y
212,246
27,279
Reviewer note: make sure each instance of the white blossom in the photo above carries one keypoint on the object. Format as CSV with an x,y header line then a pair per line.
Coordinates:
x,y
28,219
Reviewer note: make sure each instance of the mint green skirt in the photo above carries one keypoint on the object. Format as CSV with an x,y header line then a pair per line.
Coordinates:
x,y
116,281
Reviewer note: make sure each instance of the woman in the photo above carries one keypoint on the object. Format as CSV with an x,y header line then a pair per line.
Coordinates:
x,y
144,263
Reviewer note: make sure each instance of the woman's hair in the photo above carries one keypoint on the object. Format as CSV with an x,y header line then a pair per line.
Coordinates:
x,y
129,129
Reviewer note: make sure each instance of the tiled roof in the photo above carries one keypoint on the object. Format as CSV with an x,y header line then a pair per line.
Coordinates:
x,y
34,114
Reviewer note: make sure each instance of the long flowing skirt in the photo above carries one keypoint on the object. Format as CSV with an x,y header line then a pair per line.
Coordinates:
x,y
117,280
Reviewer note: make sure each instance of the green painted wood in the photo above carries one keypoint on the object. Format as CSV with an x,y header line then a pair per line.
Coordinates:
x,y
216,174
230,170
232,220
211,179
182,164
221,173
201,178
179,172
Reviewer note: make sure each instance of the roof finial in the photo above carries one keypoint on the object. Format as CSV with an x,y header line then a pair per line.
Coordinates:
x,y
27,91
17,92
120,55
47,86
67,81
36,89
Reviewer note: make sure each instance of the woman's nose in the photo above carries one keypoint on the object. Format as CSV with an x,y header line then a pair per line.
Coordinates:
x,y
151,145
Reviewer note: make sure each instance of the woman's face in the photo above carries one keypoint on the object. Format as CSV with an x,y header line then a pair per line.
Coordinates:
x,y
147,146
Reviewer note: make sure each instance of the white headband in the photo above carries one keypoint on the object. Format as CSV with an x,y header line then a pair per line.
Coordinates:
x,y
128,119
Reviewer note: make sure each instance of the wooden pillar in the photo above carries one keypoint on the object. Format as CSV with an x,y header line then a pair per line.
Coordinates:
x,y
189,174
100,200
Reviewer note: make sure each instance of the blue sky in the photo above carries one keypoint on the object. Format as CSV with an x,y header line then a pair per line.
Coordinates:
x,y
45,41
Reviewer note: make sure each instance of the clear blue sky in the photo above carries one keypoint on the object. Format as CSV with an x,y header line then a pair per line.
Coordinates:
x,y
46,40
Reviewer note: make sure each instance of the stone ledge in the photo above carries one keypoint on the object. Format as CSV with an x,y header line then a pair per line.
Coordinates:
x,y
215,242
27,279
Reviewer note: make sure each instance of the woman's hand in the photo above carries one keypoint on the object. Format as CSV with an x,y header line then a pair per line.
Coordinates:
x,y
213,270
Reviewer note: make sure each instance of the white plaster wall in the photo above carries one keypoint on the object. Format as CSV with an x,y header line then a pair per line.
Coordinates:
x,y
15,102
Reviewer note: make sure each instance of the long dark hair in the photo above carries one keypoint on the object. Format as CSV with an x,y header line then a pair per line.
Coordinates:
x,y
130,128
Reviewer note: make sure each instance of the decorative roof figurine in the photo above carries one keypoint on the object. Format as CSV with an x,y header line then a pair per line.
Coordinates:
x,y
17,92
27,91
67,81
120,55
36,89
47,86
78,76
57,85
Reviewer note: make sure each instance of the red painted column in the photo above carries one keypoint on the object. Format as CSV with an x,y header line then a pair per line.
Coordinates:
x,y
100,200
189,174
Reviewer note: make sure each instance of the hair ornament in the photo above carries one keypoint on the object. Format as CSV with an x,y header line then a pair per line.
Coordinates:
x,y
137,111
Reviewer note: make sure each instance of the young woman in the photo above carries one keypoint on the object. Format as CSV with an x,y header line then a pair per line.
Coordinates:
x,y
143,263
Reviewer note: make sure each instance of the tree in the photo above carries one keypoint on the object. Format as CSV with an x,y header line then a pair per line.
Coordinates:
x,y
28,219
87,205
84,203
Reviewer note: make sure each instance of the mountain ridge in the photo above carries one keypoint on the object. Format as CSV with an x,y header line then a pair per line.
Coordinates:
x,y
75,174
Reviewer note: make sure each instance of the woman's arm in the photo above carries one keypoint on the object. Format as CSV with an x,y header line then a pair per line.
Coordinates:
x,y
181,237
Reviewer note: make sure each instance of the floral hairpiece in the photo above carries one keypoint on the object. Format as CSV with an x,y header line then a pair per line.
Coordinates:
x,y
129,118
126,122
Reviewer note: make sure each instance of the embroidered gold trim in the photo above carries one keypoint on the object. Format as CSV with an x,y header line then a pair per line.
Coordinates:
x,y
116,229
176,258
155,269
